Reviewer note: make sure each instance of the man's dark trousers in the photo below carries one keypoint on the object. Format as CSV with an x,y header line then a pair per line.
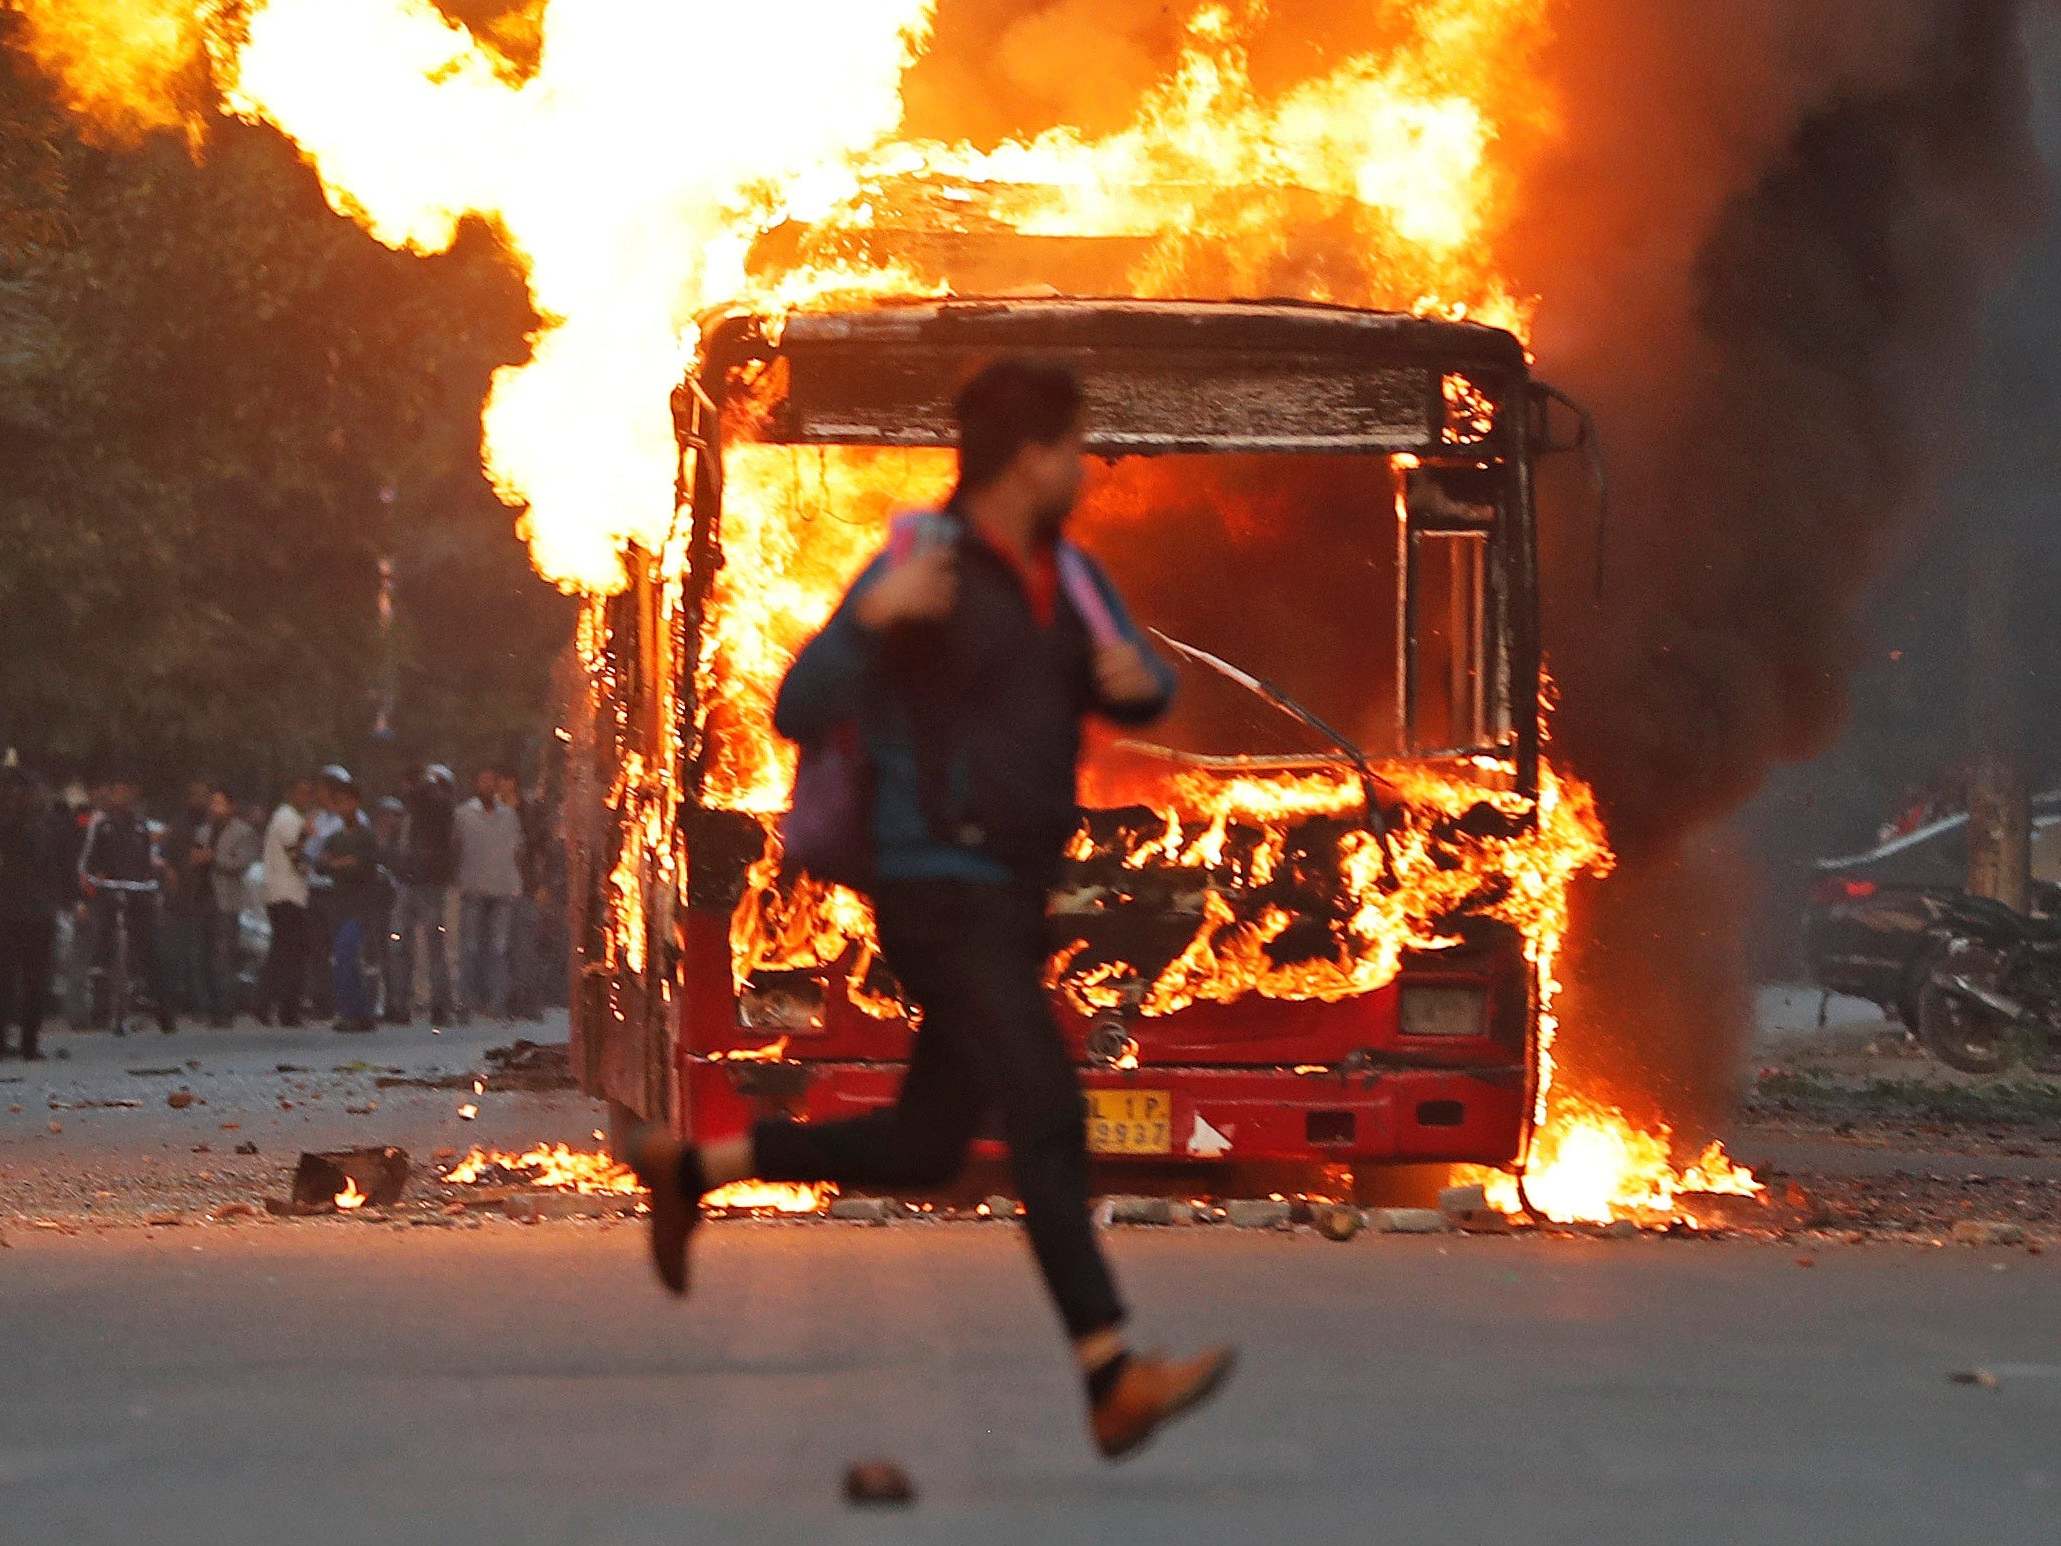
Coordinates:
x,y
25,956
972,956
147,963
194,927
282,981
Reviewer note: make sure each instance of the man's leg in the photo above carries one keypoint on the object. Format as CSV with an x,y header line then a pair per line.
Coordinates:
x,y
38,948
347,970
500,920
472,939
522,959
286,962
400,988
973,957
921,1140
100,952
13,965
434,903
146,952
394,988
212,1002
75,965
319,975
227,945
300,952
178,947
950,945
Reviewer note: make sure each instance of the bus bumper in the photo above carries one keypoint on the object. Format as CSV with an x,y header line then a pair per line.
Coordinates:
x,y
1211,1114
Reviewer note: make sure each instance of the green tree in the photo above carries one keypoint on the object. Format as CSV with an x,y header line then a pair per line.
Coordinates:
x,y
221,407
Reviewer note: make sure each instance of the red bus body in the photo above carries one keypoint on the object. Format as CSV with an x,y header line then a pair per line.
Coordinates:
x,y
1437,1065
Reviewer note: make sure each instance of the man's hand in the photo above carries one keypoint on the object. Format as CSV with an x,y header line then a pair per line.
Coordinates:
x,y
919,589
1124,676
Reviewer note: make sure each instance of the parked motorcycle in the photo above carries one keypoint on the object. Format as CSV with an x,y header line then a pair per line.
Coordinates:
x,y
1978,984
1992,993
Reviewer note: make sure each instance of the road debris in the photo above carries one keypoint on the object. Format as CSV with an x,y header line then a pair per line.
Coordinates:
x,y
1456,1200
1338,1221
1988,1232
1140,1210
536,1207
1259,1213
1407,1221
379,1174
865,1210
873,1483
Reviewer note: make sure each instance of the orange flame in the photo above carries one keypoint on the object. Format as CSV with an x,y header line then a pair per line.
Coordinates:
x,y
1590,1165
560,1167
633,170
350,1198
125,65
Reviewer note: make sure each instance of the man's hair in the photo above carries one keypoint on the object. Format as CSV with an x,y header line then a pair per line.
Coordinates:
x,y
1011,404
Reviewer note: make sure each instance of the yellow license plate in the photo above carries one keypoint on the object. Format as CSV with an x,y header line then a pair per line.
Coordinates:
x,y
1130,1122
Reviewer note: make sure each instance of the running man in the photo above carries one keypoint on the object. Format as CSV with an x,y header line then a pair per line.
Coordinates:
x,y
967,669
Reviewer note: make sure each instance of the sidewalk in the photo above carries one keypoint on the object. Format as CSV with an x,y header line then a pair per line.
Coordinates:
x,y
134,1126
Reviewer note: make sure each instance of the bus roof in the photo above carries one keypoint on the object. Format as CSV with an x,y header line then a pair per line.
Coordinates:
x,y
1160,375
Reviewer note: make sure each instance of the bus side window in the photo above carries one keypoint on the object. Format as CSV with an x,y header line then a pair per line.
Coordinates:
x,y
1447,621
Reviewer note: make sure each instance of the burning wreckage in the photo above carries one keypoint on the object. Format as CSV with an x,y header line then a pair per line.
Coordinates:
x,y
1313,921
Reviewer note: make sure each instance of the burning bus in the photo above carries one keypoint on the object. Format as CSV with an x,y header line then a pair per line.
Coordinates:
x,y
1311,919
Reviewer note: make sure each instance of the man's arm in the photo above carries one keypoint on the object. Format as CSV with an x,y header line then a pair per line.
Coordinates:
x,y
89,855
822,686
1133,684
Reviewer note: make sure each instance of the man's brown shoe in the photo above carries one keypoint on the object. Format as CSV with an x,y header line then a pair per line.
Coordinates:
x,y
1150,1393
655,1155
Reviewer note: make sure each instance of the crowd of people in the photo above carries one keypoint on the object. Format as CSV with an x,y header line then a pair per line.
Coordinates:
x,y
329,907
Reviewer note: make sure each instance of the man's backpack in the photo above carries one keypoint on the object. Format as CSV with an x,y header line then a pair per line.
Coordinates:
x,y
828,829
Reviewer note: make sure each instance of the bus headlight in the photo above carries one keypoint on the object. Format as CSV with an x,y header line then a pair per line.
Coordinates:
x,y
790,1006
1441,1009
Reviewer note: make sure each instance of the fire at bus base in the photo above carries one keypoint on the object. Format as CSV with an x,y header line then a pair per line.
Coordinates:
x,y
1319,918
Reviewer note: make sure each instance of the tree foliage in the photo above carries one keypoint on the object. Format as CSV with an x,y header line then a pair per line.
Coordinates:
x,y
221,407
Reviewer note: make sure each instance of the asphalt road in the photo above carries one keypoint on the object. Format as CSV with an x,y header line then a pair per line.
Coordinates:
x,y
471,1379
344,1381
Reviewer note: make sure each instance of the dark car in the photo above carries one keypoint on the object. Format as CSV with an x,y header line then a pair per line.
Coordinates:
x,y
1876,921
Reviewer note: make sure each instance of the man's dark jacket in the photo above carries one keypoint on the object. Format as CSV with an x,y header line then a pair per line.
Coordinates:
x,y
429,843
971,726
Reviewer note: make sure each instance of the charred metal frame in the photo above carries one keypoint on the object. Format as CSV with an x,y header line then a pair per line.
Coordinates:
x,y
1083,332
